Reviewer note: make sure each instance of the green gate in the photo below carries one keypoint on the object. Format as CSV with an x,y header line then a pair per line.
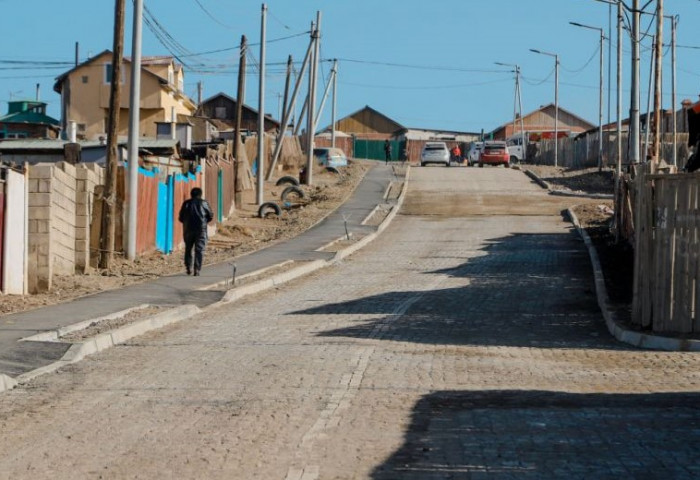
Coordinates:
x,y
374,149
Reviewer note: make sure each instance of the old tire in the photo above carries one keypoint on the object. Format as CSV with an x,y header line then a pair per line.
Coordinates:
x,y
287,180
332,170
267,208
292,190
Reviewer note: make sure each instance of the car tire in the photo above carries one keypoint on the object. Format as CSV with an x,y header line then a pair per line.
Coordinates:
x,y
481,165
448,164
293,189
422,164
287,180
269,207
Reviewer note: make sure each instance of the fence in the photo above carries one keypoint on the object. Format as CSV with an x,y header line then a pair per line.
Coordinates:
x,y
582,152
667,252
374,149
2,229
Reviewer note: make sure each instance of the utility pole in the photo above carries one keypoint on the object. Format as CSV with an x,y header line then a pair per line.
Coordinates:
x,y
634,134
110,190
259,193
618,96
134,121
658,61
312,100
674,24
648,116
290,109
77,53
240,99
335,101
200,89
556,101
287,84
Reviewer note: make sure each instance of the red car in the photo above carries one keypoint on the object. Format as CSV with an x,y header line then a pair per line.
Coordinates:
x,y
494,153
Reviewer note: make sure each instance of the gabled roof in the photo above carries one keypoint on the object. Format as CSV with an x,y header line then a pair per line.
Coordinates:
x,y
541,109
57,86
247,107
373,112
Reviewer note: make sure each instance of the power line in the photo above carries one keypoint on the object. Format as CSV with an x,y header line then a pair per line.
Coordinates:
x,y
418,67
216,20
433,87
593,55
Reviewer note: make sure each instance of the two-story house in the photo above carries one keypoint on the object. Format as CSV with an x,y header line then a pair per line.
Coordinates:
x,y
85,91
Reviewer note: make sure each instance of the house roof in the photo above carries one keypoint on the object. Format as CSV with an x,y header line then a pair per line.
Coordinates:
x,y
247,107
57,145
371,110
542,108
58,85
30,117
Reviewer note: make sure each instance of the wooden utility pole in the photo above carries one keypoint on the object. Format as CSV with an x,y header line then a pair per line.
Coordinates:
x,y
110,190
240,98
287,84
656,151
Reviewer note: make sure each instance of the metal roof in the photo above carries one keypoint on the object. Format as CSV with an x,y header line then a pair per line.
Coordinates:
x,y
48,145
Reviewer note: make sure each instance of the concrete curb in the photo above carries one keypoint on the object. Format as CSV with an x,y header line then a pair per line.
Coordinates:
x,y
615,327
78,351
106,340
565,193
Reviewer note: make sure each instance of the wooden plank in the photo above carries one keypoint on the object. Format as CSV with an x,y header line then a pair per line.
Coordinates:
x,y
694,260
691,247
684,316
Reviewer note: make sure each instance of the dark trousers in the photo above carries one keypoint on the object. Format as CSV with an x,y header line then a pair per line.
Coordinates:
x,y
198,243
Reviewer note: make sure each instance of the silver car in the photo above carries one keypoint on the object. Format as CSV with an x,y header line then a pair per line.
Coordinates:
x,y
435,152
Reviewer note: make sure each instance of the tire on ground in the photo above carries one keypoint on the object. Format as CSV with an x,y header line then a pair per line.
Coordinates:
x,y
287,180
267,208
292,190
332,170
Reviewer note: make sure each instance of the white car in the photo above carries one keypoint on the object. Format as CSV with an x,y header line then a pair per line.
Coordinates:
x,y
435,152
474,152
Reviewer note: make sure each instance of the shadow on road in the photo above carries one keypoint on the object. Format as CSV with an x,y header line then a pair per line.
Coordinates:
x,y
528,290
545,434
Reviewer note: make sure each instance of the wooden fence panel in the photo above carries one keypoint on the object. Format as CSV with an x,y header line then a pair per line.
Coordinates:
x,y
147,212
667,261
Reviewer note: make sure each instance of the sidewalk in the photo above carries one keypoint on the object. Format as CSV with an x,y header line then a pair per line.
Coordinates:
x,y
17,357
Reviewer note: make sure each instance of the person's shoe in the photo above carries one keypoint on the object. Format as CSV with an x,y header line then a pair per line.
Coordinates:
x,y
189,271
196,273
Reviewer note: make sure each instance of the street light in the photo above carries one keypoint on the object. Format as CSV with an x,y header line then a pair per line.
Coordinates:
x,y
519,103
600,110
556,101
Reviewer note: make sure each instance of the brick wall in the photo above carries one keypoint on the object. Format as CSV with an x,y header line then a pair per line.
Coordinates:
x,y
63,218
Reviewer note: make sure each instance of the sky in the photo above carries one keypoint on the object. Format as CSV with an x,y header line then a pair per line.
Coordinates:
x,y
425,64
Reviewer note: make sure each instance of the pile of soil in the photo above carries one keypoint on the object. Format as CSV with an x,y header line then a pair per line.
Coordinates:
x,y
588,180
241,233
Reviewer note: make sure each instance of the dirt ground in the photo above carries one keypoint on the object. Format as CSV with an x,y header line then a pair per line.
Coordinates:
x,y
243,232
588,180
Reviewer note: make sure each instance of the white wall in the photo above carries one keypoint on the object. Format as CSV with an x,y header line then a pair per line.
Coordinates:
x,y
15,244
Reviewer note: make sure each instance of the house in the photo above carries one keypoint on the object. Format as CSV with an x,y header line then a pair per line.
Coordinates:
x,y
438,135
28,119
367,123
222,109
85,92
542,121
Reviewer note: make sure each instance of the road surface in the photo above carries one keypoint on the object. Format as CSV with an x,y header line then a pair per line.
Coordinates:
x,y
465,342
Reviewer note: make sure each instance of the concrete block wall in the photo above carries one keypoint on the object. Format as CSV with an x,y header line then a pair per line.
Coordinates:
x,y
88,176
52,223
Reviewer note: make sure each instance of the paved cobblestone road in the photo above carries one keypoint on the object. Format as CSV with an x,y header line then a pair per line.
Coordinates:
x,y
457,345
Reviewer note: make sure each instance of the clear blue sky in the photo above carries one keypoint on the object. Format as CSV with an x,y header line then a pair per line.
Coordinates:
x,y
462,37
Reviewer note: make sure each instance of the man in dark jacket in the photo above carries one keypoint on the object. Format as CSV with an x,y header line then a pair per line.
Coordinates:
x,y
194,216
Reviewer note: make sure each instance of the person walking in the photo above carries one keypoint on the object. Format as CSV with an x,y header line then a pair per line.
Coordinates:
x,y
387,151
194,215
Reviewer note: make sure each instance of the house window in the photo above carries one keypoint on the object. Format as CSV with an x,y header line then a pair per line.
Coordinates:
x,y
82,127
108,73
84,78
220,112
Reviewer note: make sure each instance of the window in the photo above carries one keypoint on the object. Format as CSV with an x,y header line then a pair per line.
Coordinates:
x,y
84,78
82,127
108,73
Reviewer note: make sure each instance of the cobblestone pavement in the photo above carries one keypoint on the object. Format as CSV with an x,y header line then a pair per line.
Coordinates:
x,y
454,346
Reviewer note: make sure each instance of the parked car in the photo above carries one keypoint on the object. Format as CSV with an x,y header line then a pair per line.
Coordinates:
x,y
494,153
435,152
330,157
474,152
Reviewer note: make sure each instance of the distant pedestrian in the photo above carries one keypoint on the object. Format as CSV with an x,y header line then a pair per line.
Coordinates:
x,y
195,214
387,151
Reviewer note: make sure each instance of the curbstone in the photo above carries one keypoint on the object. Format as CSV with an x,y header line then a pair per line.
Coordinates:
x,y
615,327
536,178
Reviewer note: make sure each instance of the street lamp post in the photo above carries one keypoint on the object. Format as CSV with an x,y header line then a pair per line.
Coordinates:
x,y
556,101
517,106
600,109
